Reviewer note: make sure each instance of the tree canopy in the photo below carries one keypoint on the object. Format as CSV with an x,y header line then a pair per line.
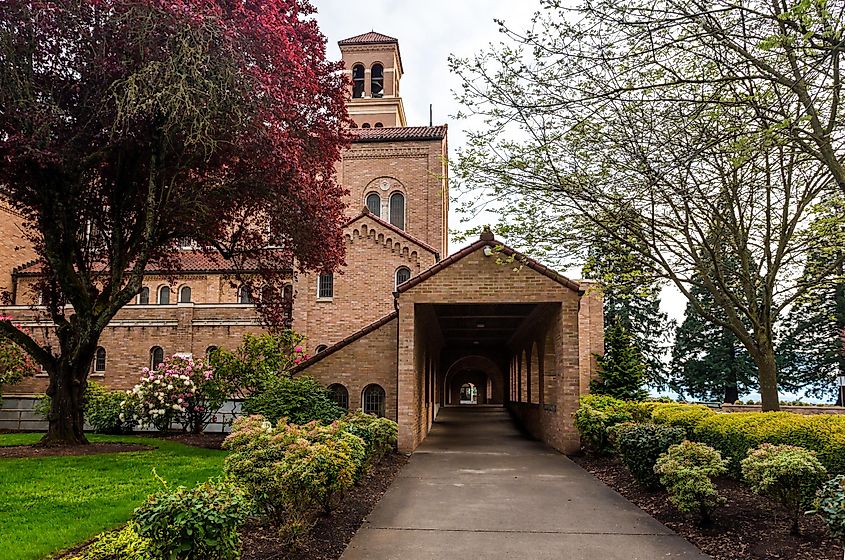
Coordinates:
x,y
711,129
131,127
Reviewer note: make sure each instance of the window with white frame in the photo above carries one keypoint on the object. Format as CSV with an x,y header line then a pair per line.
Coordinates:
x,y
325,286
164,295
185,294
144,296
397,210
100,360
403,274
374,204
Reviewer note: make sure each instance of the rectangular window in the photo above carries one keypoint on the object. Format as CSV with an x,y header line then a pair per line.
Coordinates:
x,y
325,286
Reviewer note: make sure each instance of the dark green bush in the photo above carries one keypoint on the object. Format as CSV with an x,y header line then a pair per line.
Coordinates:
x,y
687,471
124,544
640,445
108,412
595,416
299,399
830,505
199,523
788,474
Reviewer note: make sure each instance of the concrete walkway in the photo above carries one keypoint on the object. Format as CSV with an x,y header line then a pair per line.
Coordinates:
x,y
477,489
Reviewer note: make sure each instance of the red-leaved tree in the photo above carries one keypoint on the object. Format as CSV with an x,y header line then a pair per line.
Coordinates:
x,y
128,126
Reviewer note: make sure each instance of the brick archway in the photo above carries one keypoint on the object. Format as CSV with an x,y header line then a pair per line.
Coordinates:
x,y
478,370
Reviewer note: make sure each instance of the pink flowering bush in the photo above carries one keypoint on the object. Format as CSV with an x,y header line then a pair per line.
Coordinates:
x,y
180,390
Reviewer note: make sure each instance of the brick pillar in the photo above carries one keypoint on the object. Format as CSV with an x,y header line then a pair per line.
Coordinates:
x,y
407,390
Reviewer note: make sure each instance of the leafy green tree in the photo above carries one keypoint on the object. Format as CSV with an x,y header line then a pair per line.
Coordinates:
x,y
710,128
708,361
622,369
812,349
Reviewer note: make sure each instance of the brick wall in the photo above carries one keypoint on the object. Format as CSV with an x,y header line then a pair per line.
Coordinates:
x,y
15,249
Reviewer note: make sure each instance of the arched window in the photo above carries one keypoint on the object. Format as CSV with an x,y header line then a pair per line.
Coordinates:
x,y
209,351
325,286
377,80
244,296
144,296
397,210
378,125
100,360
354,125
339,395
374,204
320,348
373,400
365,125
403,274
358,81
287,293
185,294
156,356
268,294
164,295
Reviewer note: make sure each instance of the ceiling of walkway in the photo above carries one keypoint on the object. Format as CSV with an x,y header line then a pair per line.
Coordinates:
x,y
481,324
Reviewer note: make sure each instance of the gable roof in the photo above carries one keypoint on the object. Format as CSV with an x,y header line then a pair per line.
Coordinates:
x,y
399,231
398,133
369,38
487,240
345,342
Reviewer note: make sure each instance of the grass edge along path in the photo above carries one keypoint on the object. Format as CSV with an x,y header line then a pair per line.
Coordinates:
x,y
51,503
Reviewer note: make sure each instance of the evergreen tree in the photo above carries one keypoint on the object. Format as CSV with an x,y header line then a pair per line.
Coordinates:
x,y
811,349
622,369
631,296
708,361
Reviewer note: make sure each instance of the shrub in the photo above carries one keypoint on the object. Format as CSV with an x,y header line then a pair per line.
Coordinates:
x,y
830,505
180,390
595,416
108,412
199,523
124,544
687,471
640,445
379,434
299,399
735,434
788,474
686,416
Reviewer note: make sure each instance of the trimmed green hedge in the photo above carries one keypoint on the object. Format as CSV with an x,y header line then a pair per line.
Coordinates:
x,y
732,434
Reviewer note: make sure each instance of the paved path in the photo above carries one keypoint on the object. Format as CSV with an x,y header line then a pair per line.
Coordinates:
x,y
477,489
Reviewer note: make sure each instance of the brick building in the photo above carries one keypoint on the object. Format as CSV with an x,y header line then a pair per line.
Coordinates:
x,y
404,328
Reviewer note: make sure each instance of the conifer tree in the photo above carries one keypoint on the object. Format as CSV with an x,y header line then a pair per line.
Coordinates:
x,y
708,361
622,369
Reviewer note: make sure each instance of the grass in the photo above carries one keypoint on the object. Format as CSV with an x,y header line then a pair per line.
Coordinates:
x,y
51,503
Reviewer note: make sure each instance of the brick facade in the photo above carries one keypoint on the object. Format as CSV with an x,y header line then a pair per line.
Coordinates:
x,y
484,317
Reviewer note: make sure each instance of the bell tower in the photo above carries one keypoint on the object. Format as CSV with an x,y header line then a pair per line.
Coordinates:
x,y
374,67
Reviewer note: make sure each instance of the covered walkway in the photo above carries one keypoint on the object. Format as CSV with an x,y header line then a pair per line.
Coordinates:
x,y
477,488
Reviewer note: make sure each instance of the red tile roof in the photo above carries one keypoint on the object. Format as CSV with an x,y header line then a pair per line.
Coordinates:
x,y
397,133
185,261
369,38
391,227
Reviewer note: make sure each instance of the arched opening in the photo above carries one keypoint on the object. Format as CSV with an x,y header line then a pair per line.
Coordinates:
x,y
374,204
339,394
164,295
403,274
373,399
365,125
397,210
468,394
100,360
358,81
320,348
185,294
144,296
377,80
156,356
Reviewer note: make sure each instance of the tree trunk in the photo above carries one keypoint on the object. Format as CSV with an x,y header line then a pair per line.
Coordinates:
x,y
768,375
66,418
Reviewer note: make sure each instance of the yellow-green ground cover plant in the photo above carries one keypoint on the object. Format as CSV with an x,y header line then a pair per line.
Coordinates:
x,y
687,471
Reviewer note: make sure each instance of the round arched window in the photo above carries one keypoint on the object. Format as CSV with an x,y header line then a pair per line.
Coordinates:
x,y
100,360
397,210
403,274
164,295
185,294
339,395
156,356
374,204
358,81
373,399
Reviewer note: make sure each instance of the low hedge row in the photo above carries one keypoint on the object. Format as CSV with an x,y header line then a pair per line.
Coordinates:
x,y
732,434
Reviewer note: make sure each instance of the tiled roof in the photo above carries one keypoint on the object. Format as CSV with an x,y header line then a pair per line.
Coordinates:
x,y
185,261
368,38
488,240
391,227
396,133
345,342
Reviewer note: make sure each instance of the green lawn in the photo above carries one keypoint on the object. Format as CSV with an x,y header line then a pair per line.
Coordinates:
x,y
51,503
